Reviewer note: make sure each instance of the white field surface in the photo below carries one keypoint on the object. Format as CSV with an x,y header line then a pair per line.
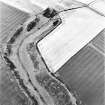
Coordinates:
x,y
23,5
76,31
99,6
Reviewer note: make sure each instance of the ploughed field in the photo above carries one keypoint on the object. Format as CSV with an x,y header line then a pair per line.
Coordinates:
x,y
24,76
85,71
22,70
